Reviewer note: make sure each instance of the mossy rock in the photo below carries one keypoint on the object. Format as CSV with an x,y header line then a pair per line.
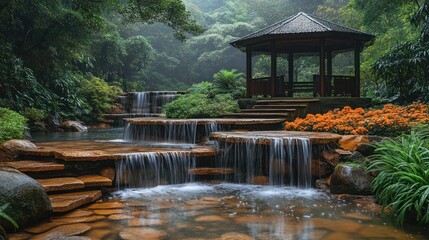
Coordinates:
x,y
351,178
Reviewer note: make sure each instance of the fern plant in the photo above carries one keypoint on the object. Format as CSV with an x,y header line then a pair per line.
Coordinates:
x,y
7,217
402,183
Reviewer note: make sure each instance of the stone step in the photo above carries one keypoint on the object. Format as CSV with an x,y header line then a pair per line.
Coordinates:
x,y
132,115
72,183
287,100
61,184
70,201
33,166
276,106
278,110
95,181
211,171
256,115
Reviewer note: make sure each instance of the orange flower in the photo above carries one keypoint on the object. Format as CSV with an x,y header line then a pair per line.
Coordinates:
x,y
390,120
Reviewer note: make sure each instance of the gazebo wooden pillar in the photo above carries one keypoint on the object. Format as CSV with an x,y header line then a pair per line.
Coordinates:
x,y
290,73
249,70
273,69
322,68
357,68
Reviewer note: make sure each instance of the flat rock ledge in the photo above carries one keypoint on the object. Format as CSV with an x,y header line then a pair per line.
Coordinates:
x,y
202,121
266,137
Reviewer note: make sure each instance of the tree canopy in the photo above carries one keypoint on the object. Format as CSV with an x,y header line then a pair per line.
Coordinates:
x,y
49,49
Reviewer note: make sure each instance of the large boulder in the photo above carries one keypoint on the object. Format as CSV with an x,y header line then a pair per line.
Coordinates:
x,y
350,179
26,199
7,148
73,126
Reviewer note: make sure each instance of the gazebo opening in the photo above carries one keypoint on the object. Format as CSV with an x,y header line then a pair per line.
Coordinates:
x,y
297,58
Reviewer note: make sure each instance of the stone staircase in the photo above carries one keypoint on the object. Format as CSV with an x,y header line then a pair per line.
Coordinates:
x,y
66,193
286,108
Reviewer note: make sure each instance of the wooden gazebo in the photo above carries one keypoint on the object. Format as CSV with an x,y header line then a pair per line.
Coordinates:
x,y
304,33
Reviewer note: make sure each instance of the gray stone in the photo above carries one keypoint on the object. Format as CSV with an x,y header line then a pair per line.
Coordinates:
x,y
350,179
6,149
356,157
26,198
321,184
53,123
73,126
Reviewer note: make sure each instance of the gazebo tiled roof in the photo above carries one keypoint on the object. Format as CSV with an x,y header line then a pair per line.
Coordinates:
x,y
302,25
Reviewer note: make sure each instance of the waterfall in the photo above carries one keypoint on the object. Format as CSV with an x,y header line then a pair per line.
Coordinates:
x,y
152,102
183,131
153,169
141,102
286,161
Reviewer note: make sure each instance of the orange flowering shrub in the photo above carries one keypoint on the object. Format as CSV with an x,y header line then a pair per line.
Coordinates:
x,y
391,120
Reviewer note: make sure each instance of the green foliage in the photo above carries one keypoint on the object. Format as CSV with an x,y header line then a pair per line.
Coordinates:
x,y
402,183
406,72
206,88
46,46
12,125
19,88
7,217
230,82
98,95
395,67
34,114
201,102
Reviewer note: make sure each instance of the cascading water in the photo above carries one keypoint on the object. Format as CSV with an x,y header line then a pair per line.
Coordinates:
x,y
141,102
152,102
153,169
286,161
186,131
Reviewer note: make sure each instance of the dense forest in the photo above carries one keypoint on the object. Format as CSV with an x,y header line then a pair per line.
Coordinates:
x,y
71,57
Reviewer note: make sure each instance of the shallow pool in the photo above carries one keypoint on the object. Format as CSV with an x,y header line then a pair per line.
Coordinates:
x,y
229,211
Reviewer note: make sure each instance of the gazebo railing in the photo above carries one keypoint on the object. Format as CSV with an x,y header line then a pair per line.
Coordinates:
x,y
336,85
262,86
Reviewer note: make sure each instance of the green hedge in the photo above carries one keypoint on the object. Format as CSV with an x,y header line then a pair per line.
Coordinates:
x,y
12,125
198,105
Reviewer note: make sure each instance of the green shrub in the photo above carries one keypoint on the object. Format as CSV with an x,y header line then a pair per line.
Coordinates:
x,y
197,105
12,125
230,82
34,114
98,96
402,183
202,88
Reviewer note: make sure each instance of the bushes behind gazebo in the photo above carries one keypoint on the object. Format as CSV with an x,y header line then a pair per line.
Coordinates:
x,y
391,120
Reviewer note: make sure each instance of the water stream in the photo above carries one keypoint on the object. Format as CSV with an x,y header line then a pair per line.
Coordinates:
x,y
187,131
286,161
152,102
143,170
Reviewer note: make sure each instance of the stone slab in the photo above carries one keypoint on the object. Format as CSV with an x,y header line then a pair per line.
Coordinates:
x,y
95,181
70,201
33,166
202,121
211,171
89,151
61,184
266,137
